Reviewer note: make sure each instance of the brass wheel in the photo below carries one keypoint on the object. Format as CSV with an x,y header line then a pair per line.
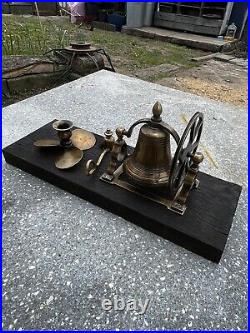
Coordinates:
x,y
185,150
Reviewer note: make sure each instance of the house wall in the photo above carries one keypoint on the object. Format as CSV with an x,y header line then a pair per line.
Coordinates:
x,y
140,14
244,36
239,16
136,13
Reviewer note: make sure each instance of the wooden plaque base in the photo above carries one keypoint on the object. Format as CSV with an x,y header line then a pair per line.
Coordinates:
x,y
203,229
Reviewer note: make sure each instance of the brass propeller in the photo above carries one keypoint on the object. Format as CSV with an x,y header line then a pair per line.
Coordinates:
x,y
82,139
71,142
69,158
47,143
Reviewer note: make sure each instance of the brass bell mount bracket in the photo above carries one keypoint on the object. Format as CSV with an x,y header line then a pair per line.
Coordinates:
x,y
190,182
118,154
154,121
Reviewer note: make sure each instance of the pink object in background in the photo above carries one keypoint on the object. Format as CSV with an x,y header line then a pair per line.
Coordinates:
x,y
77,10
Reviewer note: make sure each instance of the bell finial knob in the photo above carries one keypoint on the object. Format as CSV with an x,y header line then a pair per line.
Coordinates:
x,y
157,111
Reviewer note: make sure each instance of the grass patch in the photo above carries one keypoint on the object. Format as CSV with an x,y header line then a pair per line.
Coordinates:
x,y
24,36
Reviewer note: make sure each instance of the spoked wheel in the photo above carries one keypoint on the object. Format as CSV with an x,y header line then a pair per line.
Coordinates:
x,y
184,152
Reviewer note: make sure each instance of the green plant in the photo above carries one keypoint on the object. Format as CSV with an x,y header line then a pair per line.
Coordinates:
x,y
25,36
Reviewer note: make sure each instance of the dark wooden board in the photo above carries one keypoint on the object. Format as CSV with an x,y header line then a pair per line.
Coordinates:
x,y
203,229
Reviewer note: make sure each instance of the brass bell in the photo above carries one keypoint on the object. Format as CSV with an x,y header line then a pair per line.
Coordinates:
x,y
151,171
150,163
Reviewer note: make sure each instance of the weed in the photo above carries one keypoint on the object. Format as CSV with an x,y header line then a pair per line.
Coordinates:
x,y
33,36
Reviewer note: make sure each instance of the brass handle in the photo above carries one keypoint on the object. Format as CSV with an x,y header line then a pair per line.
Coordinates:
x,y
106,146
170,130
128,133
91,165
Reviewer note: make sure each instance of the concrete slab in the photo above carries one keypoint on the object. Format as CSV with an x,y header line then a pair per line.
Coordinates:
x,y
205,58
239,62
223,57
178,37
104,26
62,256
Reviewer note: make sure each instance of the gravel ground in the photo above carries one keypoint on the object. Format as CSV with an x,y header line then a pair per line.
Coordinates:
x,y
62,255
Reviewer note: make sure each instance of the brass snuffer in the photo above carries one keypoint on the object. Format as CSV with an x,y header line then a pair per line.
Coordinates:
x,y
152,170
70,142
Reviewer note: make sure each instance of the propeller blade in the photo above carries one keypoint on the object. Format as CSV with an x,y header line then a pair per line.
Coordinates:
x,y
69,158
82,139
47,143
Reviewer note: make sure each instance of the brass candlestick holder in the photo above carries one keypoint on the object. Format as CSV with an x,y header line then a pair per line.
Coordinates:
x,y
71,143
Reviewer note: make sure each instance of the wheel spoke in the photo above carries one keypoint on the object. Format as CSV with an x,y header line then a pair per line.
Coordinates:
x,y
182,158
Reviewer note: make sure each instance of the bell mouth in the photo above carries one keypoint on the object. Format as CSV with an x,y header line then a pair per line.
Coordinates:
x,y
145,177
62,125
